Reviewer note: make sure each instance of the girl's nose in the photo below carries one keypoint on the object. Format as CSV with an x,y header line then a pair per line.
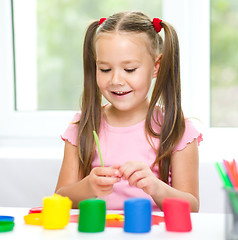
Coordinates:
x,y
117,79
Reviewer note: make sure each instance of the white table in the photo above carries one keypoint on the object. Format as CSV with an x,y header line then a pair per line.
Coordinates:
x,y
205,226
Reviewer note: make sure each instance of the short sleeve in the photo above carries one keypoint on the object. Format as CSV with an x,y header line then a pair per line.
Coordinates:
x,y
189,135
71,132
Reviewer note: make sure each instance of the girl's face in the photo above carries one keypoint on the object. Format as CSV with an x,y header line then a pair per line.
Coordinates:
x,y
125,69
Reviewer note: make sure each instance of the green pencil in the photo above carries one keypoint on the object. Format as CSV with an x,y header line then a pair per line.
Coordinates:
x,y
226,181
98,146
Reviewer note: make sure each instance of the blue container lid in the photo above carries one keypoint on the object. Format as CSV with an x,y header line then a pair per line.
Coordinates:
x,y
6,218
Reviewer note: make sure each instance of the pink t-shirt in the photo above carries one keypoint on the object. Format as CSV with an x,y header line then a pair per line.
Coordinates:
x,y
122,144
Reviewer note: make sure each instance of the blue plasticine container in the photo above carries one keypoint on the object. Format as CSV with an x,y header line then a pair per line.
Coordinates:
x,y
138,215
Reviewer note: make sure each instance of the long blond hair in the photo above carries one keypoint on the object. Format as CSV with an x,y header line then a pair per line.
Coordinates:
x,y
166,89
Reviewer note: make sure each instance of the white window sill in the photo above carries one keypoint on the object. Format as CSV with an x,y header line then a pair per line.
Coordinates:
x,y
20,148
31,153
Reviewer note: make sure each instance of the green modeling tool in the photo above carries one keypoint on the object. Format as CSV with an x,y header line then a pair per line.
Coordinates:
x,y
98,146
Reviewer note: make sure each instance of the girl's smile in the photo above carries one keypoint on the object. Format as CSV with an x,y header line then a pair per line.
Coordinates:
x,y
121,93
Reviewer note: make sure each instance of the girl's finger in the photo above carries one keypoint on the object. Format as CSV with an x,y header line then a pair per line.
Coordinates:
x,y
135,177
106,171
104,181
127,171
130,167
117,172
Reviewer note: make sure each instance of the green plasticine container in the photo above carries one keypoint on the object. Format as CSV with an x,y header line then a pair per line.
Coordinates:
x,y
92,217
6,226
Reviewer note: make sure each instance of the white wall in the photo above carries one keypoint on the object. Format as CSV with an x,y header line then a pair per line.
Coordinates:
x,y
24,182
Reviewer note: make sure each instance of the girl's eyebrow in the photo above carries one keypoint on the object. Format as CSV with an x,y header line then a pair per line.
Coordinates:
x,y
123,62
131,61
101,62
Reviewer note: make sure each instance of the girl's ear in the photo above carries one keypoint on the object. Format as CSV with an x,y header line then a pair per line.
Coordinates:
x,y
157,65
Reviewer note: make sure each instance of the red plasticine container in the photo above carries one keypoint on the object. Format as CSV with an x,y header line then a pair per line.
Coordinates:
x,y
35,210
177,215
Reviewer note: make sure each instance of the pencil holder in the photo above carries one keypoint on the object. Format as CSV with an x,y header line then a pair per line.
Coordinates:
x,y
231,220
137,213
177,215
92,217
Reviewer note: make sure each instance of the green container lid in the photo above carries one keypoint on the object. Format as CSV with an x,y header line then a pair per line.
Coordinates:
x,y
92,217
6,226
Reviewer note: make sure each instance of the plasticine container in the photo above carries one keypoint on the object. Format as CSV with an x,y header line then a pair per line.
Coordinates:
x,y
92,217
231,219
138,215
177,215
56,212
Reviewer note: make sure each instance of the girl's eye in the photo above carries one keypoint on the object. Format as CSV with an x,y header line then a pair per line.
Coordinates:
x,y
105,70
130,70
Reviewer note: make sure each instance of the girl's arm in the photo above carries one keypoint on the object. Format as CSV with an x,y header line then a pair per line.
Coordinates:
x,y
185,179
184,165
70,182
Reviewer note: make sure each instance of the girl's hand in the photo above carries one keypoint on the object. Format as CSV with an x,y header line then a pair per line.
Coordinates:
x,y
140,175
102,179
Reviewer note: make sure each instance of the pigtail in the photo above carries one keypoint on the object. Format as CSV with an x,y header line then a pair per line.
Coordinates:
x,y
168,92
91,104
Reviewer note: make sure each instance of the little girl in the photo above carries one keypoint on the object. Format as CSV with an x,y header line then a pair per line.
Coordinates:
x,y
148,148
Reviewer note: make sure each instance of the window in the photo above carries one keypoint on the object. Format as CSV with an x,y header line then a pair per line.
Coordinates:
x,y
39,101
224,63
48,48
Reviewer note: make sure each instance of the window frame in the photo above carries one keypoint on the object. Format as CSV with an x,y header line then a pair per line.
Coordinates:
x,y
194,54
14,123
184,15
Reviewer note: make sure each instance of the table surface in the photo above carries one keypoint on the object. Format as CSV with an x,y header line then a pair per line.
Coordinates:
x,y
205,226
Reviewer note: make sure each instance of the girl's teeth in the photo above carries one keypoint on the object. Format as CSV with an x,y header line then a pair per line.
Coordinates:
x,y
120,92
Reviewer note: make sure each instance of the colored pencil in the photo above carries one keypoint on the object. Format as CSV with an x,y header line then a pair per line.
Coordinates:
x,y
231,173
228,173
225,179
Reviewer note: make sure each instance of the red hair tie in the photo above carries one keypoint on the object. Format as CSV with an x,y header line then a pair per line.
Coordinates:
x,y
157,24
101,21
